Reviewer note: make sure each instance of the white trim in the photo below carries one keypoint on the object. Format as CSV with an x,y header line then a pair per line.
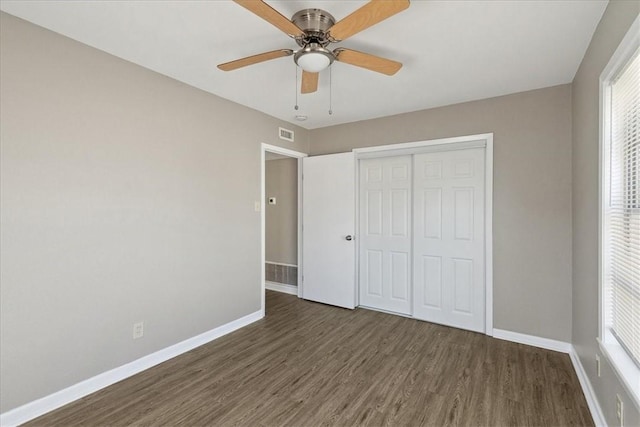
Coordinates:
x,y
625,369
488,230
356,229
426,148
629,44
486,140
300,236
421,144
532,340
281,150
280,263
34,409
281,287
290,153
587,389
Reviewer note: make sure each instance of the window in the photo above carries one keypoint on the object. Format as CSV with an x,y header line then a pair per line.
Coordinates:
x,y
620,212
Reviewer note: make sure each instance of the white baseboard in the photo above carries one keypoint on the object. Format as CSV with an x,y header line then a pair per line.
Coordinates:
x,y
587,389
53,401
546,343
281,287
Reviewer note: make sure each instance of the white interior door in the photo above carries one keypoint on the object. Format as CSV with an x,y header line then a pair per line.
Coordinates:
x,y
328,225
449,285
385,233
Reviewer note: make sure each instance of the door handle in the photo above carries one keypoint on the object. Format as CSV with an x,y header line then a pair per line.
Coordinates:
x,y
349,237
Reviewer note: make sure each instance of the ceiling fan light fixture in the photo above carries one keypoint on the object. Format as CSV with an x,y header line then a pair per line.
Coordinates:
x,y
314,58
315,29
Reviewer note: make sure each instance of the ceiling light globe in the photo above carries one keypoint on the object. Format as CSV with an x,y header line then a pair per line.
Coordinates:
x,y
313,58
313,62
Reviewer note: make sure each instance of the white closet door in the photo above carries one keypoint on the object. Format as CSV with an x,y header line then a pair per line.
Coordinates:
x,y
328,219
449,285
385,234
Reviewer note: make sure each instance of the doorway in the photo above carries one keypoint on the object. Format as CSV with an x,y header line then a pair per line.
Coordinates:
x,y
281,226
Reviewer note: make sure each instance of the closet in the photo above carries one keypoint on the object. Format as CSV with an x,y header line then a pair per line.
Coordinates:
x,y
421,245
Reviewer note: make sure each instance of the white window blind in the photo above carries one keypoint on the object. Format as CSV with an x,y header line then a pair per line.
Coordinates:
x,y
622,216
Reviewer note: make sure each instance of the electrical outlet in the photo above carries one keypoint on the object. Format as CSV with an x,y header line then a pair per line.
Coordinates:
x,y
620,410
138,330
598,364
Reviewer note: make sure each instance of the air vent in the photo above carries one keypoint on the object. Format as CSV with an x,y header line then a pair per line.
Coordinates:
x,y
286,134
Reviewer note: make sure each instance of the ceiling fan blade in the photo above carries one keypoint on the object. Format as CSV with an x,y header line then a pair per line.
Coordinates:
x,y
254,59
368,15
309,82
271,15
368,61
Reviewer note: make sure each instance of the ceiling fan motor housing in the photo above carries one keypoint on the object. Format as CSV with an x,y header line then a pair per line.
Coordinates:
x,y
315,23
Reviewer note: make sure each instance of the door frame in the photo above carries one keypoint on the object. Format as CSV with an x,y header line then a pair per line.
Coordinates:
x,y
454,143
264,148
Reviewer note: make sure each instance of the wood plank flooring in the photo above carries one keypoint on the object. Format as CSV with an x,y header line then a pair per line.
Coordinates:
x,y
309,364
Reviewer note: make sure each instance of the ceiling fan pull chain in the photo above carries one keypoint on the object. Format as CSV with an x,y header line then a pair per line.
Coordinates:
x,y
296,88
330,90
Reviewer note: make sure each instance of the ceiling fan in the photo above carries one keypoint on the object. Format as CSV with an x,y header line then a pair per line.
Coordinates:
x,y
313,30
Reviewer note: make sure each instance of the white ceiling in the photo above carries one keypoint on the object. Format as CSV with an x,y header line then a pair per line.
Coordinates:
x,y
452,51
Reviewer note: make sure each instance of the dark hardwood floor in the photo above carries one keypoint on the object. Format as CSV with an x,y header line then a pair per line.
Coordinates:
x,y
309,364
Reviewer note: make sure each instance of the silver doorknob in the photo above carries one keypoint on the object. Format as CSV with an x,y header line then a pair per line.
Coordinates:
x,y
349,237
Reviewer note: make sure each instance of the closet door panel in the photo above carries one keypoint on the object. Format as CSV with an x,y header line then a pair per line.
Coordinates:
x,y
431,285
449,238
373,271
432,212
385,269
400,275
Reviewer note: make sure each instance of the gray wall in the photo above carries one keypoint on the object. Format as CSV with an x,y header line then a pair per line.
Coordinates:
x,y
126,196
532,194
281,232
615,23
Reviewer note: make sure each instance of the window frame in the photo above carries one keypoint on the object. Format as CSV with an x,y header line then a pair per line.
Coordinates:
x,y
622,363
